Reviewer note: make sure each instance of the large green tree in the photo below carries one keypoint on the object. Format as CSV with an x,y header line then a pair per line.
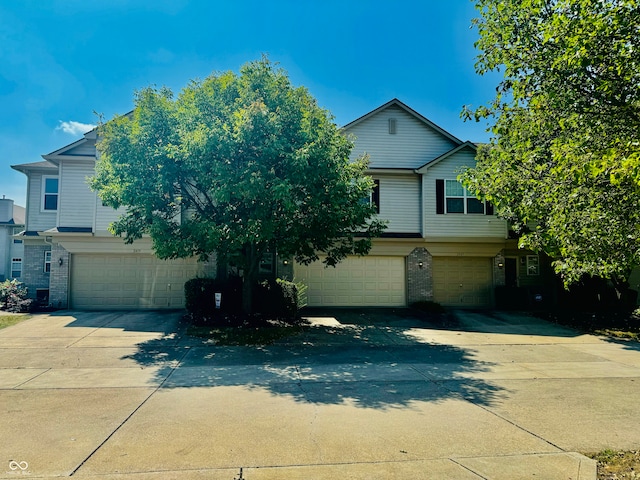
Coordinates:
x,y
563,163
236,165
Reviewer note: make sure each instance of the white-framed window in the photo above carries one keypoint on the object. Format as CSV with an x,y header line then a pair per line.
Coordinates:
x,y
50,186
47,261
16,267
533,265
458,199
17,241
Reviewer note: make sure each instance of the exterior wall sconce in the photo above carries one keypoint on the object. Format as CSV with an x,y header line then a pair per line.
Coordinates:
x,y
285,262
420,264
500,264
60,261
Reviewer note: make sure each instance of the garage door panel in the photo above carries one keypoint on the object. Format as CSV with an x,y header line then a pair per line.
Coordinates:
x,y
356,281
128,281
462,281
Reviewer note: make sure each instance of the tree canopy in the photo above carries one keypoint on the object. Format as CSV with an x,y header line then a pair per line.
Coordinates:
x,y
236,165
563,163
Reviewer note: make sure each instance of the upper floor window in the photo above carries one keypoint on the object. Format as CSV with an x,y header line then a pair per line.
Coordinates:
x,y
16,267
459,200
452,197
49,194
374,196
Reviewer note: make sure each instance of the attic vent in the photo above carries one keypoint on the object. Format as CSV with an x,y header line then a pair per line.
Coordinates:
x,y
392,126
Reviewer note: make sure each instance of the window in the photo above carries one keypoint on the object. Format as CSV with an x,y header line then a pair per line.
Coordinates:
x,y
16,267
459,200
266,264
47,262
49,194
533,265
374,196
17,240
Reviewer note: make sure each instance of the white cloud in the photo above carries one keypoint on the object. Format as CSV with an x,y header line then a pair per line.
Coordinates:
x,y
75,128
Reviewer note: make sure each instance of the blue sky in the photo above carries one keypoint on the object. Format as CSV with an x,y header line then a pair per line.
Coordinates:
x,y
61,62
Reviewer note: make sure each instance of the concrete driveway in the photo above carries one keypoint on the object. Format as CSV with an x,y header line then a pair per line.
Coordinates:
x,y
361,395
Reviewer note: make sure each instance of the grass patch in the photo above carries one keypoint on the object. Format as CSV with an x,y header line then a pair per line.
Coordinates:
x,y
611,324
617,465
240,330
6,320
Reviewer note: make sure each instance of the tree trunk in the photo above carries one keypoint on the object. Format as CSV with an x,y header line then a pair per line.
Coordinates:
x,y
250,277
247,295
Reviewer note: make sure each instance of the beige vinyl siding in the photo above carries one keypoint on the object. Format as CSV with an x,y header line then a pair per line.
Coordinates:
x,y
455,224
86,149
76,201
413,144
400,203
38,220
105,216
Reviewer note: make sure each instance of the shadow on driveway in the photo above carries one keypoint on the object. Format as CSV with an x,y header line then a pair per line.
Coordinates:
x,y
368,358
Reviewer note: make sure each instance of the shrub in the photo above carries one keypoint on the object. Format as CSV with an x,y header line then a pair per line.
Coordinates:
x,y
429,307
13,297
200,293
279,298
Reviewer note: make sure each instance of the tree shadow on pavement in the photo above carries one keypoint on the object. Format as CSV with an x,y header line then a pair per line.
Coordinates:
x,y
350,357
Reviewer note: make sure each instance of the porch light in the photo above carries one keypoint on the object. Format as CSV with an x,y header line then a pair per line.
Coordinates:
x,y
285,262
60,261
420,264
500,264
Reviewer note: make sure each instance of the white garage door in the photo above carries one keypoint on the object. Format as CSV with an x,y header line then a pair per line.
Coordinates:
x,y
356,281
107,282
462,281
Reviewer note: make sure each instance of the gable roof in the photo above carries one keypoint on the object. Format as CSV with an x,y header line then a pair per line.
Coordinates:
x,y
410,111
463,146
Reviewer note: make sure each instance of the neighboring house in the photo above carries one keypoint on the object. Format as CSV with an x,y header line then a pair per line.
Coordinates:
x,y
11,248
441,244
71,258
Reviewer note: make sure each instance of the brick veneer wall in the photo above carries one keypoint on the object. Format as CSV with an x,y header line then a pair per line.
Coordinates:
x,y
33,274
59,283
419,280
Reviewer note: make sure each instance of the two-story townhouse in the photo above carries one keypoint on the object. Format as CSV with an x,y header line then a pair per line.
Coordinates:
x,y
441,244
11,247
72,260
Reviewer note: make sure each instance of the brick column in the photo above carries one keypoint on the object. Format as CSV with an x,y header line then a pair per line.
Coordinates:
x,y
33,274
419,277
59,278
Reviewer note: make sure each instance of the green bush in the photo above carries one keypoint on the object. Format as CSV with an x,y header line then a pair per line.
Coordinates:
x,y
279,298
429,307
13,297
